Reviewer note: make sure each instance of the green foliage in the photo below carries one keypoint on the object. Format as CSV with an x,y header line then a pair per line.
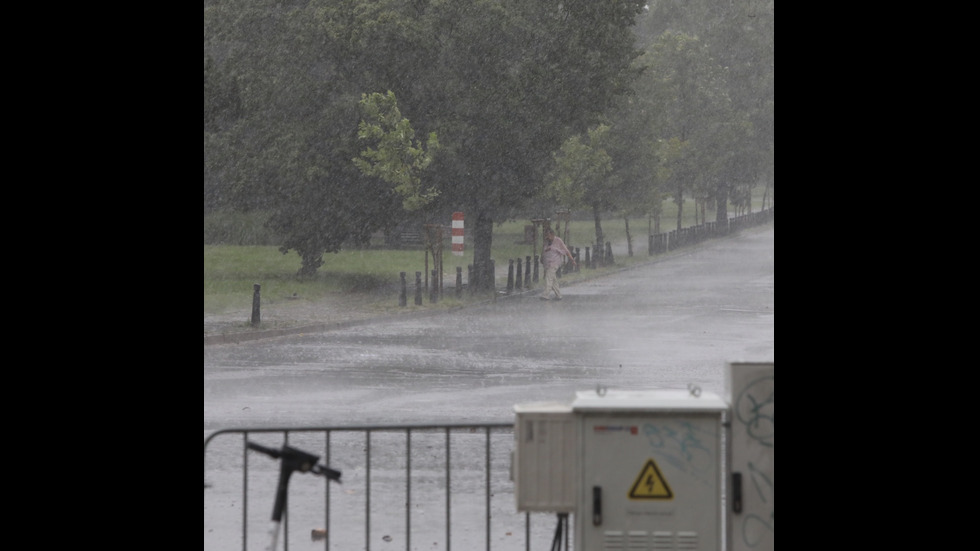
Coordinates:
x,y
739,37
397,158
580,169
697,123
222,101
238,228
504,84
578,179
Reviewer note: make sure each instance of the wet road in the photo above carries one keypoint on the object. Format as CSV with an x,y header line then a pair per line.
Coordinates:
x,y
671,323
664,325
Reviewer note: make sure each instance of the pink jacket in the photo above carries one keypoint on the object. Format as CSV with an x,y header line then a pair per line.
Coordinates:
x,y
552,255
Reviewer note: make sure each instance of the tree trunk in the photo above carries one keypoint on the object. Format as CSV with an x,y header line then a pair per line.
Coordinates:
x,y
722,205
680,210
428,249
482,266
311,262
600,243
629,238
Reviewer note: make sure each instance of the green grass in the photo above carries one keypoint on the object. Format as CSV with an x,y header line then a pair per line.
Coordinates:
x,y
231,271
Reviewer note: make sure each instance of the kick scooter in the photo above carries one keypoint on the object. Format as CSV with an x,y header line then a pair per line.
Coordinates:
x,y
291,459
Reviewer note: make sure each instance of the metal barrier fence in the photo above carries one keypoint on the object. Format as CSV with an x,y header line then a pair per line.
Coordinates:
x,y
414,483
675,239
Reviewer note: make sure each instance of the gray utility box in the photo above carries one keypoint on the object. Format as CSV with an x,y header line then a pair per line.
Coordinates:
x,y
546,464
751,392
649,470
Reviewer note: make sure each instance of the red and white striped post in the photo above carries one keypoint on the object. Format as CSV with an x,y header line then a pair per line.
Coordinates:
x,y
458,233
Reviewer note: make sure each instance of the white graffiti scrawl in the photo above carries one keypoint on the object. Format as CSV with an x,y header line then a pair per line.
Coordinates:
x,y
753,455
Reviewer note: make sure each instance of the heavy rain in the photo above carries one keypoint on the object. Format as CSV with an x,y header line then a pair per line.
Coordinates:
x,y
354,125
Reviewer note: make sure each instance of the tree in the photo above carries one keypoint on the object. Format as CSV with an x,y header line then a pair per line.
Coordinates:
x,y
502,82
697,116
514,80
679,169
396,157
289,154
222,101
323,201
631,143
578,179
739,36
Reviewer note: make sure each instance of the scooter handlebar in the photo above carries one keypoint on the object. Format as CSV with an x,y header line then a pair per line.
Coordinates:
x,y
323,470
271,452
298,460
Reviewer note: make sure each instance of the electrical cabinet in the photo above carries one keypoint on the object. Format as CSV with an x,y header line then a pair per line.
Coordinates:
x,y
641,470
546,458
655,470
750,389
651,470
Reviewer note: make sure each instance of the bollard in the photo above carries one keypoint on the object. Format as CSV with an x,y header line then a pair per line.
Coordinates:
x,y
588,258
510,276
459,281
609,256
403,295
493,278
469,277
577,260
256,316
434,292
518,279
536,262
527,272
418,288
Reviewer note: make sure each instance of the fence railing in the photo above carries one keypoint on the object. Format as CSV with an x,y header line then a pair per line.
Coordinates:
x,y
423,486
673,240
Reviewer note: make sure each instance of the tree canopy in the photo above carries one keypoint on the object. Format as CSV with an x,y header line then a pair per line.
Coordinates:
x,y
394,155
502,83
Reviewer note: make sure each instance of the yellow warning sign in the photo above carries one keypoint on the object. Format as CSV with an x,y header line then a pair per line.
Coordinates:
x,y
651,484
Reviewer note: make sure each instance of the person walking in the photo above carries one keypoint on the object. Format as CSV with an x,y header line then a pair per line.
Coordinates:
x,y
552,257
